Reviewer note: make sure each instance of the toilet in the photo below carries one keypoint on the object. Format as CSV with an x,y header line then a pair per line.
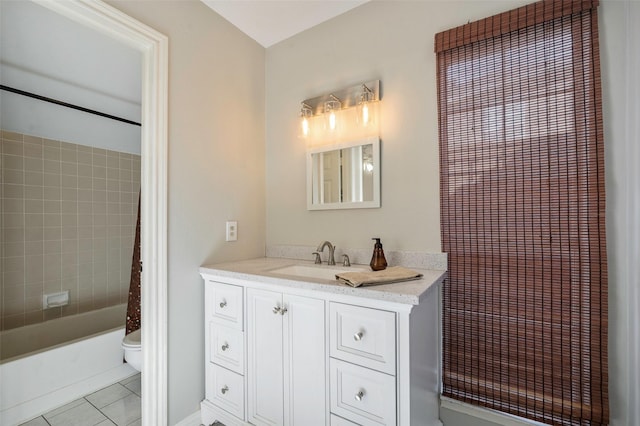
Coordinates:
x,y
132,349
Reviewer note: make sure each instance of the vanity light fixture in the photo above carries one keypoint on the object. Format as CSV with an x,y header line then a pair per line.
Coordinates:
x,y
305,115
367,164
345,114
365,107
330,108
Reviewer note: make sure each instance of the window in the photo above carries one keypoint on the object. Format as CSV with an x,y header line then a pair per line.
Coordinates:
x,y
522,213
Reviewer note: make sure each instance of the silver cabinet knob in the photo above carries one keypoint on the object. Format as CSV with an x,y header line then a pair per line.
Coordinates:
x,y
360,395
358,336
225,389
225,346
223,303
279,310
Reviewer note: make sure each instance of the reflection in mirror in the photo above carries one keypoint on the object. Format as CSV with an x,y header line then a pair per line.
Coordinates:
x,y
345,176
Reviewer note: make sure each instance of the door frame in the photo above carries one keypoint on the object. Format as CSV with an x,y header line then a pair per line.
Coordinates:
x,y
153,46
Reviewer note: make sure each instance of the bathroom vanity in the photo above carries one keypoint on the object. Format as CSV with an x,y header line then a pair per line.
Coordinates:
x,y
286,344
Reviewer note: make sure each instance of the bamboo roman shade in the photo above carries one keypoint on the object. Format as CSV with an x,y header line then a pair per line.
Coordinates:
x,y
522,213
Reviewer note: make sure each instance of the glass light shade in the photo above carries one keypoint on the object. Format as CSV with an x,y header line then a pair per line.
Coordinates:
x,y
330,115
304,130
332,120
305,121
367,165
367,109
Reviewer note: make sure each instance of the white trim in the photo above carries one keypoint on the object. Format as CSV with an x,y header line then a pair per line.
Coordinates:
x,y
154,49
485,413
192,420
631,201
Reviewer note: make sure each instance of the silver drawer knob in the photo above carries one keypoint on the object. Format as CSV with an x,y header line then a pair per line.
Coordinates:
x,y
360,395
283,311
223,303
225,346
225,389
358,336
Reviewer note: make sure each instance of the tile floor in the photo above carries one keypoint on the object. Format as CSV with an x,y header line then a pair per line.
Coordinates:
x,y
118,404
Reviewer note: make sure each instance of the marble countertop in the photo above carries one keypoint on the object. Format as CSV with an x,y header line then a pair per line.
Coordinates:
x,y
262,270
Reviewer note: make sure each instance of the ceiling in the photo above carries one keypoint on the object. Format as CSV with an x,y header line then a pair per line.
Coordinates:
x,y
269,22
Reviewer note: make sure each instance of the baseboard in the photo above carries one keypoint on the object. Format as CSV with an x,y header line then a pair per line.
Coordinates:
x,y
486,414
35,407
192,420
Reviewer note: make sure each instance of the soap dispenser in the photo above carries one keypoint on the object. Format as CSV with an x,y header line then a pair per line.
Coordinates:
x,y
378,262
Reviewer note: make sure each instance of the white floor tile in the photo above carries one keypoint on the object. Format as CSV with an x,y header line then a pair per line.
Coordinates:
x,y
108,395
130,379
134,386
124,411
64,408
106,423
136,423
38,421
83,414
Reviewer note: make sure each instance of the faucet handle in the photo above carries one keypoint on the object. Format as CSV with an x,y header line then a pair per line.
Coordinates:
x,y
345,260
318,260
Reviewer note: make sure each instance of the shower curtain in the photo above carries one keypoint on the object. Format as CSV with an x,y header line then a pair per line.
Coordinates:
x,y
133,305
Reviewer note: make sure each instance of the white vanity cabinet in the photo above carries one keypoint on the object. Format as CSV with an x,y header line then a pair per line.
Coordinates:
x,y
286,359
305,352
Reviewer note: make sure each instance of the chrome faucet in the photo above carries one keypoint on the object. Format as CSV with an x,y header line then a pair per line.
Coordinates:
x,y
320,249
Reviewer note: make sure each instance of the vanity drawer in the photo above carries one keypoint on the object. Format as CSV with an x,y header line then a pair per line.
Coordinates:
x,y
361,395
363,336
226,390
226,347
226,304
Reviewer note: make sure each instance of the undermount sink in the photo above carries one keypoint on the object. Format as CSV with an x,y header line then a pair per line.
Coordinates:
x,y
318,272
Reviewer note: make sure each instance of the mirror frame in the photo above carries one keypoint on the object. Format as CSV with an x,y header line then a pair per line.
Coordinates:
x,y
375,203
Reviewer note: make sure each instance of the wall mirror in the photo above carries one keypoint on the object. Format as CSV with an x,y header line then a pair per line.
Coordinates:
x,y
344,176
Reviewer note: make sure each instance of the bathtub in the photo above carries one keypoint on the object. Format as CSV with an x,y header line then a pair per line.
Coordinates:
x,y
44,366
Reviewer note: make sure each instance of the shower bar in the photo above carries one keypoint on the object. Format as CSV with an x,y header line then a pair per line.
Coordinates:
x,y
65,104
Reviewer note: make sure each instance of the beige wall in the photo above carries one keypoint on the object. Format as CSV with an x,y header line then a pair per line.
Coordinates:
x,y
387,40
68,223
217,148
393,41
216,169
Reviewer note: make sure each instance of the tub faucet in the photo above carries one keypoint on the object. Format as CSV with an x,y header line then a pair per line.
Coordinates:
x,y
320,249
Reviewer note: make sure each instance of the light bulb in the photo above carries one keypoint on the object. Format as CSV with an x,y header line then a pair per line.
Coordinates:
x,y
332,120
366,108
330,108
365,114
305,126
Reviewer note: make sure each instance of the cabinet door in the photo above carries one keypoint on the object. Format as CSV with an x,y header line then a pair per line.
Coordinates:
x,y
265,357
304,361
